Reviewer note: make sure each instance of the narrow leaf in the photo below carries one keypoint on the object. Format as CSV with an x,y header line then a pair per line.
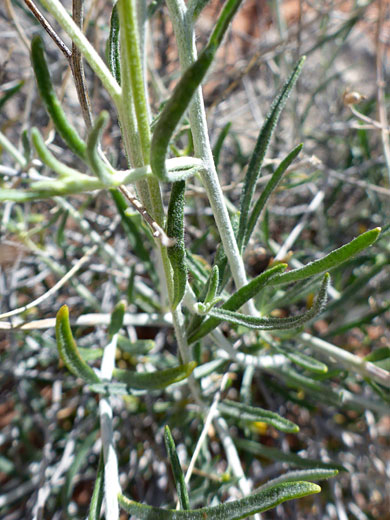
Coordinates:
x,y
248,413
271,323
238,299
112,49
182,95
212,286
94,159
9,93
177,252
176,469
269,188
261,148
250,505
333,259
218,145
154,380
292,459
98,492
294,476
307,362
117,318
52,104
68,351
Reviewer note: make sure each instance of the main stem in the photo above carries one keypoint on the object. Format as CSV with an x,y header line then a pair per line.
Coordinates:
x,y
134,113
183,29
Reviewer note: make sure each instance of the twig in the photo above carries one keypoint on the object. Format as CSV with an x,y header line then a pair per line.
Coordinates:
x,y
55,287
49,29
157,230
381,84
19,29
78,67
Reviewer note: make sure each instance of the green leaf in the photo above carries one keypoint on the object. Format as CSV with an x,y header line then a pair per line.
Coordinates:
x,y
177,104
98,492
292,459
176,469
262,144
68,351
380,357
333,259
244,412
218,145
212,285
294,476
307,362
117,316
271,323
9,93
238,299
99,168
177,252
113,48
52,104
81,452
269,188
236,510
154,380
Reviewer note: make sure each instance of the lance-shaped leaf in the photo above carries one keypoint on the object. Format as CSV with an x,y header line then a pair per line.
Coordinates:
x,y
238,299
264,197
68,351
244,412
303,474
292,459
98,492
271,323
154,380
99,167
307,362
250,505
182,95
52,104
333,259
9,93
263,140
176,469
113,47
177,252
212,285
117,316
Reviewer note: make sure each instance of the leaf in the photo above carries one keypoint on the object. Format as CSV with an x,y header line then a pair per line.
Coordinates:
x,y
154,380
380,357
98,492
236,510
177,104
218,145
244,412
269,453
307,362
238,299
9,93
178,476
81,452
212,285
293,476
333,259
113,48
262,144
271,323
269,188
117,316
68,351
99,167
50,100
177,252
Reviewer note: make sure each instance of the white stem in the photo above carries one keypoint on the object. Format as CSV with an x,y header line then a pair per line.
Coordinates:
x,y
111,474
183,28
